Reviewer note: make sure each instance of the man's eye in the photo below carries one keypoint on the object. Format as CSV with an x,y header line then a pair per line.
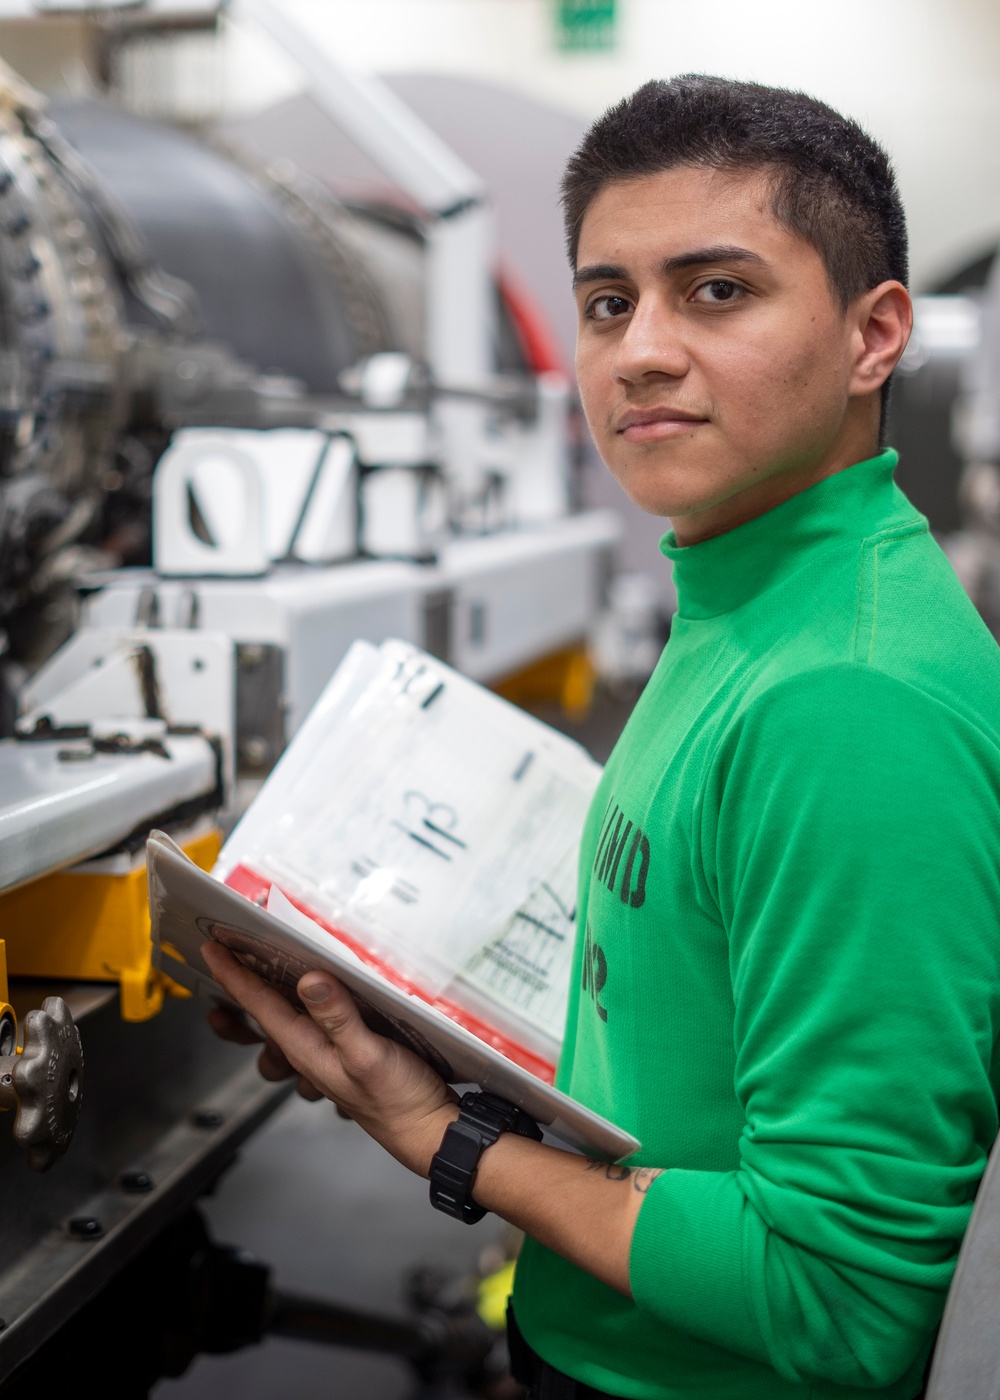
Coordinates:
x,y
607,308
718,291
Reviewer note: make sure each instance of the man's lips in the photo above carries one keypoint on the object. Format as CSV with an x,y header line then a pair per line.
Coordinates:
x,y
653,424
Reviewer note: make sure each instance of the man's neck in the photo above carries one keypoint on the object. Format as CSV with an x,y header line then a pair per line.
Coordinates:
x,y
773,491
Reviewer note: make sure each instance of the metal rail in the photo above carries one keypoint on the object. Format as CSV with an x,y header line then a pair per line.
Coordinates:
x,y
152,1142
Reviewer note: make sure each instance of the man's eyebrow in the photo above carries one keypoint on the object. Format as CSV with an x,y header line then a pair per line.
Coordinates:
x,y
724,253
727,253
599,272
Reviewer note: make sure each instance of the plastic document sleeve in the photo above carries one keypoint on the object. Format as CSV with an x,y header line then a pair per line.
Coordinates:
x,y
189,907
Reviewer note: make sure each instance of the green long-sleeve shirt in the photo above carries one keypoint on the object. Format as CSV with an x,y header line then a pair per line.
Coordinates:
x,y
787,979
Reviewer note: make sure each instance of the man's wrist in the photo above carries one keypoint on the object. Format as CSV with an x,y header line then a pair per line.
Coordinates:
x,y
483,1118
442,1121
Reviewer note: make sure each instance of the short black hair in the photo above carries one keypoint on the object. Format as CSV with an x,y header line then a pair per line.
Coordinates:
x,y
833,185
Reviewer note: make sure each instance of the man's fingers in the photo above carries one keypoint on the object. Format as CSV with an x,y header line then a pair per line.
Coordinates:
x,y
294,1040
307,1090
335,1011
273,1063
268,1007
231,1025
298,1038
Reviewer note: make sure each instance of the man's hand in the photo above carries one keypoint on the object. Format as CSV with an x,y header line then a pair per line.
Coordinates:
x,y
230,1025
384,1087
582,1209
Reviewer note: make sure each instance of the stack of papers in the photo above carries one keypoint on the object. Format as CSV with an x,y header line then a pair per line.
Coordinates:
x,y
189,908
434,830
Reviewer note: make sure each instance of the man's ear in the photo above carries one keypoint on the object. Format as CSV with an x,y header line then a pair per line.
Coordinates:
x,y
884,319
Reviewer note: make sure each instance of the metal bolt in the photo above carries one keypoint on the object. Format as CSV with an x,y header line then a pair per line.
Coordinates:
x,y
138,1183
207,1118
86,1227
255,751
251,654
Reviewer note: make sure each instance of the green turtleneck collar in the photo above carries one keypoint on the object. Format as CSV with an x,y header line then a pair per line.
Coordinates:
x,y
728,570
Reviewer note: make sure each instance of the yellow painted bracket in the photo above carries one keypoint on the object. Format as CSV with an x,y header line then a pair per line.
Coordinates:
x,y
565,678
92,928
5,1007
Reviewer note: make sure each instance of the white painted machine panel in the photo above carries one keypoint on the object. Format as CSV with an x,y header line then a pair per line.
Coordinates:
x,y
514,597
519,596
55,811
314,614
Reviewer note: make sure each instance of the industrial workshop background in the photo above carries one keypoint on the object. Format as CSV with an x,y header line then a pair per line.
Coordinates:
x,y
286,346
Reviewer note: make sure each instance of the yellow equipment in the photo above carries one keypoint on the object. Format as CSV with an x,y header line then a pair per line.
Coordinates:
x,y
93,926
564,678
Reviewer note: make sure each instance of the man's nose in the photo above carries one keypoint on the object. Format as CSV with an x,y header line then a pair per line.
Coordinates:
x,y
653,344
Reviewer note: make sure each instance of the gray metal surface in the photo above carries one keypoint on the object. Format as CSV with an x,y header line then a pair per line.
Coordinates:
x,y
342,1221
166,1099
264,287
920,428
967,1356
517,144
260,708
55,811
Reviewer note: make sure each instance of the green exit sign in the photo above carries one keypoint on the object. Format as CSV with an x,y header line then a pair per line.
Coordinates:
x,y
585,26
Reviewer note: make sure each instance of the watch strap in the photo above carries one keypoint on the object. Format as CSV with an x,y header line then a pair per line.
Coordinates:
x,y
481,1119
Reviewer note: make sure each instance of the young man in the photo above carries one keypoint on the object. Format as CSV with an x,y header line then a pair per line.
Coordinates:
x,y
788,968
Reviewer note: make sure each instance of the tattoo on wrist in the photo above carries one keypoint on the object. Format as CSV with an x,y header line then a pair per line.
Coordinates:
x,y
641,1178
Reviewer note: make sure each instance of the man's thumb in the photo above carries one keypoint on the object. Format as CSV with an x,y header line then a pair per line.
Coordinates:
x,y
329,1003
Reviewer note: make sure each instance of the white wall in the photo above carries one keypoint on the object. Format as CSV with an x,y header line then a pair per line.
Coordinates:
x,y
922,75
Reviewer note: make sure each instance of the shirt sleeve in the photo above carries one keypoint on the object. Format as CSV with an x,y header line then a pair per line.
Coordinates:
x,y
850,842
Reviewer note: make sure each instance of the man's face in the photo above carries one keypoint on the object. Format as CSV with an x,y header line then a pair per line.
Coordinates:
x,y
711,353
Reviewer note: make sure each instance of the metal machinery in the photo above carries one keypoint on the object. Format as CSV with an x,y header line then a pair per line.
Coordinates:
x,y
241,424
947,425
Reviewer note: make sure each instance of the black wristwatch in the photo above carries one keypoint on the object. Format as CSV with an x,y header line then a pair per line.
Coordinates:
x,y
481,1120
